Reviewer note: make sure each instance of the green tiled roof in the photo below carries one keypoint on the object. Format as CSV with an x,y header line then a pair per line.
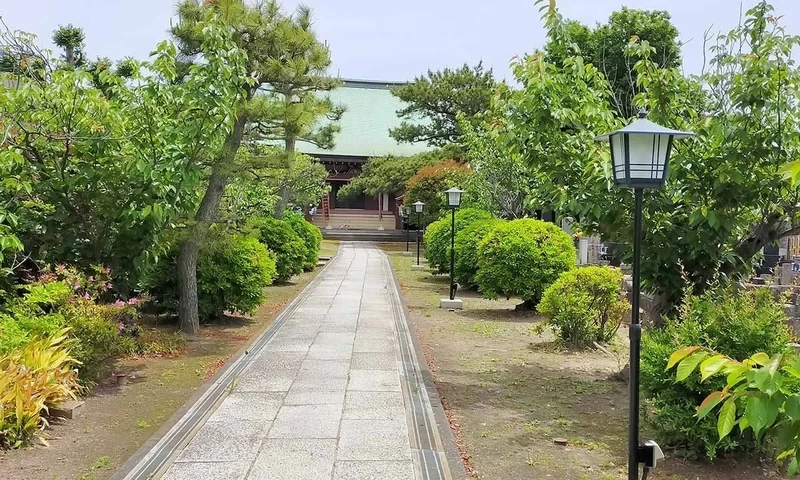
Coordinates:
x,y
371,112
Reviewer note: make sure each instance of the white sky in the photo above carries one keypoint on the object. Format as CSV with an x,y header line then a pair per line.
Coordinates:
x,y
386,40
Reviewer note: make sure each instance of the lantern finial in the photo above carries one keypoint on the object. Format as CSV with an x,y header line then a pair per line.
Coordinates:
x,y
642,112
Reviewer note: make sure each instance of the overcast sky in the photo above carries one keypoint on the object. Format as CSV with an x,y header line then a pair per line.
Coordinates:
x,y
381,39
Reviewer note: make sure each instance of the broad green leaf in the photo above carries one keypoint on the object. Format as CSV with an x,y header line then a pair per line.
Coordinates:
x,y
760,358
711,401
712,365
743,424
680,355
791,470
756,413
727,418
687,366
792,407
791,171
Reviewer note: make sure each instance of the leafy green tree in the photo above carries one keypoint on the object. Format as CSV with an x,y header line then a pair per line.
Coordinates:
x,y
605,47
71,39
106,174
438,98
428,186
390,173
256,192
499,182
725,198
290,105
283,53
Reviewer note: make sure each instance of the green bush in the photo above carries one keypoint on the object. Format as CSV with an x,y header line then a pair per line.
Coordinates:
x,y
467,240
12,336
279,237
521,258
311,236
36,313
585,305
437,236
232,272
66,300
97,333
736,325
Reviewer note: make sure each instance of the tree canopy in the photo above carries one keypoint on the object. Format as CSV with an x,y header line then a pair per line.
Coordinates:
x,y
97,177
435,100
605,47
726,196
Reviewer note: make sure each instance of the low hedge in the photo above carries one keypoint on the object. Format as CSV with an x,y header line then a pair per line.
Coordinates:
x,y
467,241
585,305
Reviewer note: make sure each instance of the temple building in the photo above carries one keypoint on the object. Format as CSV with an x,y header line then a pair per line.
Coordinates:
x,y
371,110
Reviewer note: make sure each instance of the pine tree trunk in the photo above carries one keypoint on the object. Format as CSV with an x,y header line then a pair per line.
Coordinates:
x,y
283,201
207,213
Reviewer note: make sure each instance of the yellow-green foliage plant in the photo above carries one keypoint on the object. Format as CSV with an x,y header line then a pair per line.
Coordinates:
x,y
34,378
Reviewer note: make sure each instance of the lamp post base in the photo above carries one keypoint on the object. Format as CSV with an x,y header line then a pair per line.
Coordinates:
x,y
418,267
455,304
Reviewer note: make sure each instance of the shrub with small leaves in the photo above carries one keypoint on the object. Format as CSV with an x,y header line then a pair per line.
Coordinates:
x,y
467,240
437,236
311,236
521,258
280,238
735,324
585,305
232,272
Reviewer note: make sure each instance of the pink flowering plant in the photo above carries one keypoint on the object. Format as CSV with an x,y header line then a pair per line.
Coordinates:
x,y
96,285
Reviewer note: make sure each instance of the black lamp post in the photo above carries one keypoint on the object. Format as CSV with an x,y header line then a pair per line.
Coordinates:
x,y
404,213
640,159
418,207
453,202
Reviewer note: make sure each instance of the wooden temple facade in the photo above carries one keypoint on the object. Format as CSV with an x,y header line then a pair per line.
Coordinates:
x,y
371,110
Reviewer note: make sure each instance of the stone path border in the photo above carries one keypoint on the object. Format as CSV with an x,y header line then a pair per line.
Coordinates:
x,y
433,449
432,440
155,455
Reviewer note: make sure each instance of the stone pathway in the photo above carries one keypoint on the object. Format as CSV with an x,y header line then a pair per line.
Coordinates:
x,y
335,392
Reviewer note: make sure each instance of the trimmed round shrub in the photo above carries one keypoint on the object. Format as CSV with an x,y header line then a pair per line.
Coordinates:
x,y
467,241
734,324
585,305
311,236
521,258
437,236
232,272
280,237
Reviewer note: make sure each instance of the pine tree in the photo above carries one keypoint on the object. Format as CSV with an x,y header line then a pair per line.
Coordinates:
x,y
285,61
70,38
